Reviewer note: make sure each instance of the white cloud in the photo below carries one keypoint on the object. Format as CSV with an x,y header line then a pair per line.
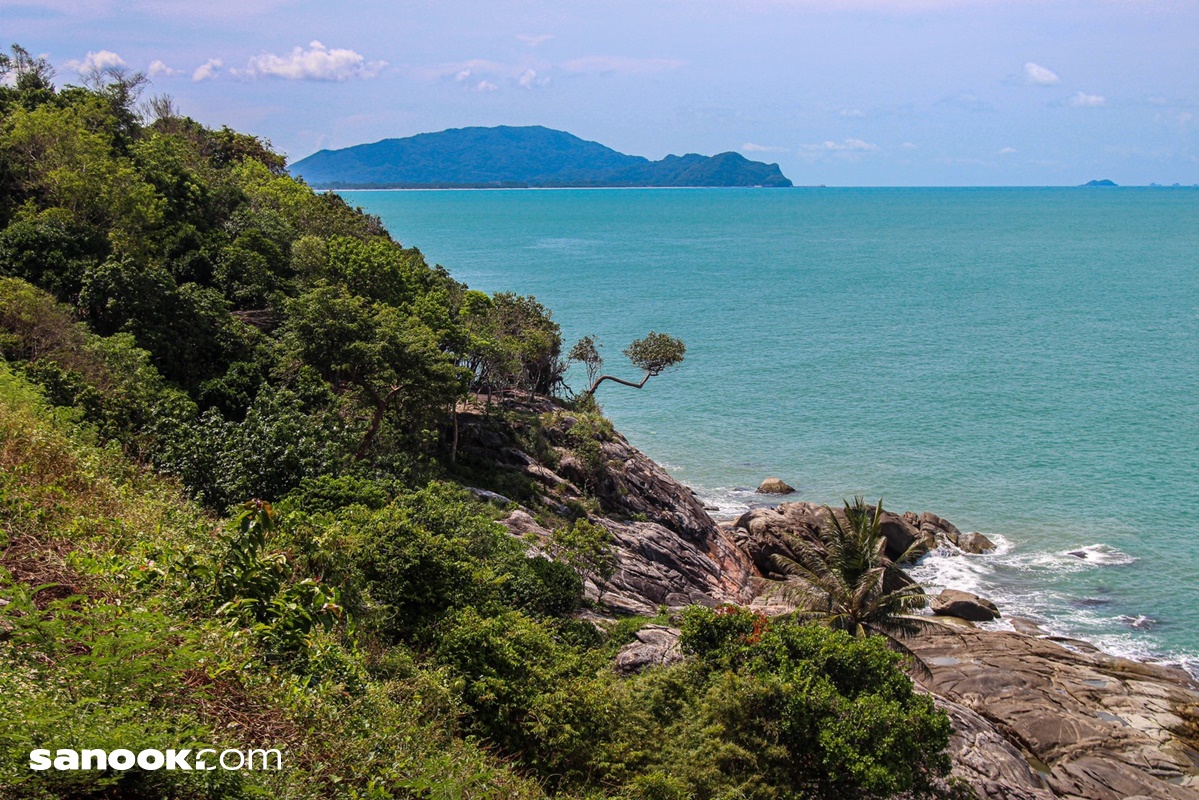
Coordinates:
x,y
844,150
529,79
208,70
1041,76
622,65
94,62
1007,151
852,112
533,41
847,145
908,146
1084,100
750,147
158,68
317,63
485,86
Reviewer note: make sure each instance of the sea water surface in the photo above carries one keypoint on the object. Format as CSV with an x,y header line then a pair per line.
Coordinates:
x,y
1023,362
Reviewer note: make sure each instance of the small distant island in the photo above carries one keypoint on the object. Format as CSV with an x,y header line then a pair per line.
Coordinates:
x,y
1104,182
519,157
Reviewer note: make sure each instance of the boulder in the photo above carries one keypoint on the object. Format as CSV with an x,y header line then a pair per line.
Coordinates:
x,y
975,543
937,528
775,486
763,533
953,603
653,645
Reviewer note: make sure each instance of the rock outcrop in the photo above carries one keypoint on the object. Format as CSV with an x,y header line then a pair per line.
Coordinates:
x,y
764,532
975,543
1090,726
654,645
964,605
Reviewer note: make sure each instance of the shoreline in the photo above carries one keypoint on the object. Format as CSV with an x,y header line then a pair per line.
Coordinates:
x,y
1047,627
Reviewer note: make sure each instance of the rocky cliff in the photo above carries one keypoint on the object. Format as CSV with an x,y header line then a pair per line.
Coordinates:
x,y
1035,719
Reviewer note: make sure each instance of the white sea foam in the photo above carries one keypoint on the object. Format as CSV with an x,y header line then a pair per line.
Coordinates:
x,y
1022,581
1102,554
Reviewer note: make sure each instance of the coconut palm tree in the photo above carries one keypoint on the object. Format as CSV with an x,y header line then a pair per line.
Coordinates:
x,y
847,582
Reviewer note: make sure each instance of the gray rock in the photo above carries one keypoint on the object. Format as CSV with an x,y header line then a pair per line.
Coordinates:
x,y
486,494
654,645
1043,700
953,603
656,567
775,486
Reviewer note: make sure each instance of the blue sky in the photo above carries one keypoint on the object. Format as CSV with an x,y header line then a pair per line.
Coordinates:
x,y
838,92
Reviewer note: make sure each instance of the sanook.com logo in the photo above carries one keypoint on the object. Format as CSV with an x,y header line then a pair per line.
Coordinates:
x,y
182,759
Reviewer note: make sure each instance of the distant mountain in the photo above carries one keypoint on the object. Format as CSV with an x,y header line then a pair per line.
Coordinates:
x,y
1103,182
526,156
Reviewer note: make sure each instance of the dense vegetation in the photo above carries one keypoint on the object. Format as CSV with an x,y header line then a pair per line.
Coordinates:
x,y
231,513
521,156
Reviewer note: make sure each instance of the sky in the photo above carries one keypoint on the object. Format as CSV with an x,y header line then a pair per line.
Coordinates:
x,y
837,92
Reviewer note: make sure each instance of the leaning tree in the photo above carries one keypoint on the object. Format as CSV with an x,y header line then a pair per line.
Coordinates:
x,y
654,354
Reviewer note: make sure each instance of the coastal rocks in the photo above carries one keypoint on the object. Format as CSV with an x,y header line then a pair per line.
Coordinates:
x,y
766,531
633,486
1093,727
775,486
952,603
987,761
656,567
653,645
975,543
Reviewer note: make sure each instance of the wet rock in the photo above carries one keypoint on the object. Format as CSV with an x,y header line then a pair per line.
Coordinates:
x,y
1026,626
953,603
774,486
975,543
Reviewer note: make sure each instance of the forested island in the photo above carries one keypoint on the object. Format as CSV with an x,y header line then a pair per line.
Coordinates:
x,y
269,479
519,157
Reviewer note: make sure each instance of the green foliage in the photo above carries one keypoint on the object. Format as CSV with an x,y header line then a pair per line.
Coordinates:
x,y
512,342
586,352
805,707
172,303
588,548
848,583
655,353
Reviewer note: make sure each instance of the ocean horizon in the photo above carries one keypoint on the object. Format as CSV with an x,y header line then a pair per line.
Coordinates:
x,y
1021,361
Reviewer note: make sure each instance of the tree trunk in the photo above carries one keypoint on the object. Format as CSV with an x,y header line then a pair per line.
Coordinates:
x,y
381,404
614,379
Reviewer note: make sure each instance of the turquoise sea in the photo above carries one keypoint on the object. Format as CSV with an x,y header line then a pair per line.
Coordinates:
x,y
1023,362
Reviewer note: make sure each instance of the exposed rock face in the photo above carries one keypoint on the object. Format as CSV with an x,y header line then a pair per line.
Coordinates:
x,y
952,603
775,486
766,531
1093,726
989,762
656,567
655,645
975,543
